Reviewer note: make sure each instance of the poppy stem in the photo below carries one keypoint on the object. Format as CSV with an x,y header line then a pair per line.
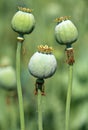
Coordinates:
x,y
40,110
68,101
19,89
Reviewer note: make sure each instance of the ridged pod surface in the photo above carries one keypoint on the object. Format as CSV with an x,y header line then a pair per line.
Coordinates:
x,y
23,21
42,64
66,32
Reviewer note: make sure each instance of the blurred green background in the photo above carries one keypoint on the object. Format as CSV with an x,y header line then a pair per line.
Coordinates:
x,y
56,87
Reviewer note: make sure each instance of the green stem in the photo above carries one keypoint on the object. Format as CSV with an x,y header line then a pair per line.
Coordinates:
x,y
68,102
19,89
40,111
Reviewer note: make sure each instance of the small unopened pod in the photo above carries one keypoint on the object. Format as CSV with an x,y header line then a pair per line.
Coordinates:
x,y
23,21
43,63
65,31
7,78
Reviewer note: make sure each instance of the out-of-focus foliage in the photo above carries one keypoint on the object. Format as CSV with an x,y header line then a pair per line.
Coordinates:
x,y
54,102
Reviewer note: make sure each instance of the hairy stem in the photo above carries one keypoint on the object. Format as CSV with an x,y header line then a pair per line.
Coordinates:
x,y
68,101
19,89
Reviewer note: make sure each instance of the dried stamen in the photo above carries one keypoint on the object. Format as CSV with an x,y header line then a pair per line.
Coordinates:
x,y
39,85
70,56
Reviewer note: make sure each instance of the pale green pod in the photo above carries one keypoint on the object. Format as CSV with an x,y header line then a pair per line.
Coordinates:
x,y
5,61
65,32
42,65
23,22
7,77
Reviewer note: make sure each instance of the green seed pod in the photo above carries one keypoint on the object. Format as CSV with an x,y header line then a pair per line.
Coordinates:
x,y
23,21
7,78
65,31
5,61
43,63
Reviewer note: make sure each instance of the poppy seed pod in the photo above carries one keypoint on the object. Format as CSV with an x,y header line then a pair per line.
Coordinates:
x,y
7,77
43,63
65,31
23,21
